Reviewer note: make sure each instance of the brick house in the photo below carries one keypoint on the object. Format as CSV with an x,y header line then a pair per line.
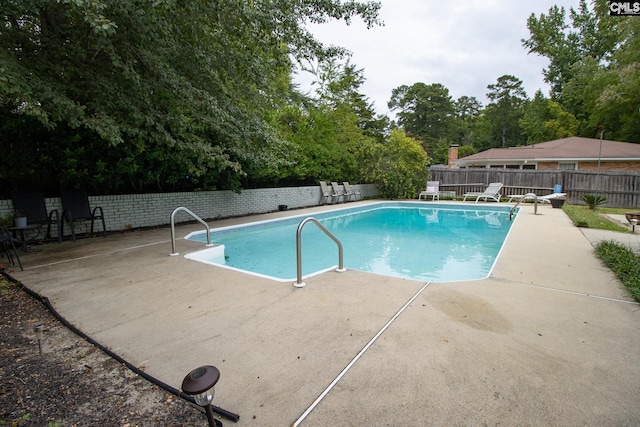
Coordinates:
x,y
574,153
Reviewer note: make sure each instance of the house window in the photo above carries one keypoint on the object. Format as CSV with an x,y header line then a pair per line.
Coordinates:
x,y
568,166
529,166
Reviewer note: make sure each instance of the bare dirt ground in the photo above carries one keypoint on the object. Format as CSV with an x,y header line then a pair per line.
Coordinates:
x,y
72,383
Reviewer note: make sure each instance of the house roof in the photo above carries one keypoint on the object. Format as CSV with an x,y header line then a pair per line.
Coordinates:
x,y
573,148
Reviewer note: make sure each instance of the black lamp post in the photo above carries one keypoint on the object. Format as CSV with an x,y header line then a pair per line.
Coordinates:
x,y
199,384
38,331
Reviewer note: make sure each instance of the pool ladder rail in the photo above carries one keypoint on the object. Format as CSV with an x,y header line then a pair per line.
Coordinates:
x,y
299,283
173,228
526,196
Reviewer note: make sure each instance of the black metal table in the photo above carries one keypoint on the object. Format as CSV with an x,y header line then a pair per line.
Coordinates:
x,y
21,230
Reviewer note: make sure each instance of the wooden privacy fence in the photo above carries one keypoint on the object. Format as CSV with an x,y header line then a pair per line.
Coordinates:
x,y
622,189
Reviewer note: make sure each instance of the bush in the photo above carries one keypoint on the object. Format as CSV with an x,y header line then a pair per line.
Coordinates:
x,y
593,200
624,263
399,167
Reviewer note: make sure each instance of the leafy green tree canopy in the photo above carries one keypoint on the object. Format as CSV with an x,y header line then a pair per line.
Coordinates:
x,y
545,120
590,33
467,111
508,99
191,78
424,111
593,68
399,167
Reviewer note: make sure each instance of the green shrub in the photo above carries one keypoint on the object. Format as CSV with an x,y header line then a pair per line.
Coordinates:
x,y
624,263
399,167
593,200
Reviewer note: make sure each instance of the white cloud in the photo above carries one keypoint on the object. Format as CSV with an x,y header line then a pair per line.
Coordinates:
x,y
463,45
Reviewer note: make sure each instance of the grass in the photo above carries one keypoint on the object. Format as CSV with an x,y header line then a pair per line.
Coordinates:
x,y
615,211
584,217
622,260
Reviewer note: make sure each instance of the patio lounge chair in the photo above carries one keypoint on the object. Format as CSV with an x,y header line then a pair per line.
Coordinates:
x,y
542,199
32,204
433,190
76,208
491,192
352,193
8,244
337,193
557,194
327,195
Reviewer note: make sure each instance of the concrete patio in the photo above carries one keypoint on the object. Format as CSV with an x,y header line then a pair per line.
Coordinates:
x,y
551,338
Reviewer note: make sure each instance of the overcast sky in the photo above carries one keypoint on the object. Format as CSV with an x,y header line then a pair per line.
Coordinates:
x,y
464,45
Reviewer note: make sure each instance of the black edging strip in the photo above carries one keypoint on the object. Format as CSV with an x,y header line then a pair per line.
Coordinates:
x,y
44,300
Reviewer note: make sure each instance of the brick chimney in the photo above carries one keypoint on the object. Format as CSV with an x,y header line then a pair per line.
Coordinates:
x,y
453,156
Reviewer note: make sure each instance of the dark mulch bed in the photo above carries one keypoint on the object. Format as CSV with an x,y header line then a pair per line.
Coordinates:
x,y
72,383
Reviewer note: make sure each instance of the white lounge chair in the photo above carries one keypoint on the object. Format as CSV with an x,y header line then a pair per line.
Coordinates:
x,y
352,193
557,194
541,199
433,190
491,192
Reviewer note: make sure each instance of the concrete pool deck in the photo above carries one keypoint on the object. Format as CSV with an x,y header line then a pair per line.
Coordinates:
x,y
551,337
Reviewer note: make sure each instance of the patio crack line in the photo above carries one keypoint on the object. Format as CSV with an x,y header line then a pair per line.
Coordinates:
x,y
355,359
549,288
95,255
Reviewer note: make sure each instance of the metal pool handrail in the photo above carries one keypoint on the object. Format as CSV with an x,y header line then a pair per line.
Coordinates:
x,y
173,228
299,283
528,195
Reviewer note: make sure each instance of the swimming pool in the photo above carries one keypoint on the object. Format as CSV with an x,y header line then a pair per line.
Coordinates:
x,y
434,242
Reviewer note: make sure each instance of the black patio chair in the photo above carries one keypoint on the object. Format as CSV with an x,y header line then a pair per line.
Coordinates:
x,y
32,204
75,205
8,244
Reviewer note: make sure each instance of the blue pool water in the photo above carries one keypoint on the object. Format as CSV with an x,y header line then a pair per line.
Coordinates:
x,y
434,242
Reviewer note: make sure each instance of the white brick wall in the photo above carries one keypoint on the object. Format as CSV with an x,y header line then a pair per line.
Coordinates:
x,y
147,210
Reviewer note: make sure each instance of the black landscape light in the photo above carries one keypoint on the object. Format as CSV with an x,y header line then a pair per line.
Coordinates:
x,y
199,384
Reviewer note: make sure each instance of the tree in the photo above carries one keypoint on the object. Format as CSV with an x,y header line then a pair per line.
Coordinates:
x,y
593,69
617,108
562,124
399,167
591,33
508,99
545,120
467,110
327,132
605,96
580,94
466,150
536,114
183,87
483,136
424,111
338,85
